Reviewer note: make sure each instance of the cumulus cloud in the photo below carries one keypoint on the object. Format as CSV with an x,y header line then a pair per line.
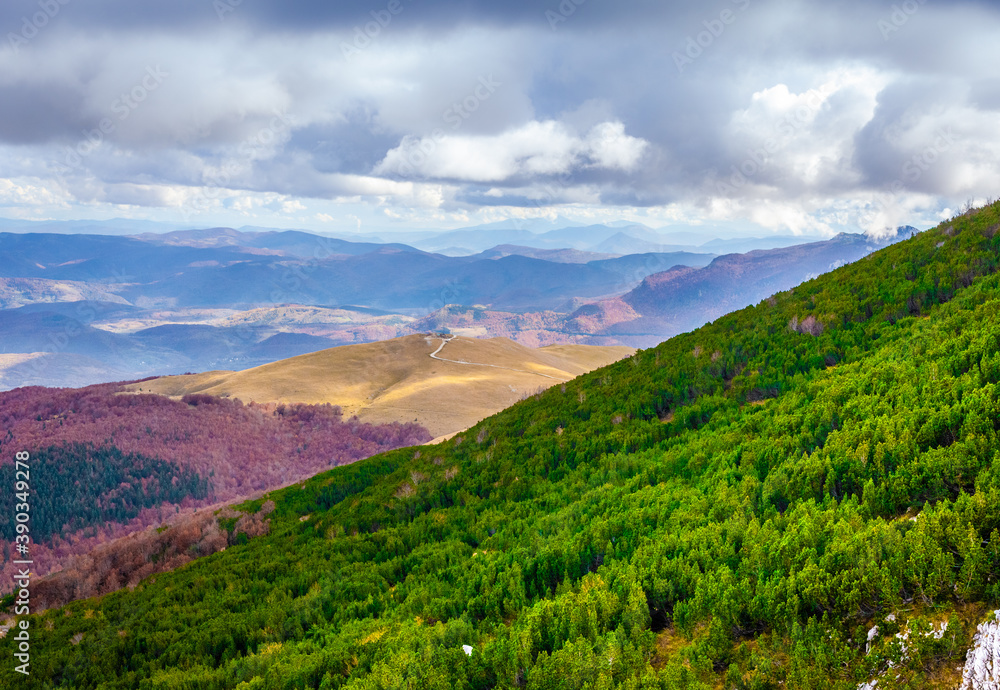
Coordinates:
x,y
804,117
534,149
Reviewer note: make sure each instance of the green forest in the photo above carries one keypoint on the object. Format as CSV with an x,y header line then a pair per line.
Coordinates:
x,y
90,485
736,507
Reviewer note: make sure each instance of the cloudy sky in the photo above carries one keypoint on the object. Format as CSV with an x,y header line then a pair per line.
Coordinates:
x,y
787,116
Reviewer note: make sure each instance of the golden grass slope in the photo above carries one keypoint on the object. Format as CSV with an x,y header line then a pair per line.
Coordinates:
x,y
399,380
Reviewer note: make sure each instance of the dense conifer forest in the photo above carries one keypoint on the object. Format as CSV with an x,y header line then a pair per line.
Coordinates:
x,y
736,507
90,486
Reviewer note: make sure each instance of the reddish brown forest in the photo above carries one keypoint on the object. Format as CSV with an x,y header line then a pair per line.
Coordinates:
x,y
240,449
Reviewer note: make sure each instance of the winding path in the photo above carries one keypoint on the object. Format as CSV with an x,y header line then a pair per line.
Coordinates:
x,y
445,341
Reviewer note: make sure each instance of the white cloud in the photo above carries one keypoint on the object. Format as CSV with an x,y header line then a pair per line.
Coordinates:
x,y
533,149
612,149
797,140
14,192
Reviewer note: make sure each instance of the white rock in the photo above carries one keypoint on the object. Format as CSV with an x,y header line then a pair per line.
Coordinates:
x,y
467,649
871,636
982,663
904,637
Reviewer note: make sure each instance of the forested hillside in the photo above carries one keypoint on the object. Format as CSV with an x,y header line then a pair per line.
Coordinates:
x,y
110,462
736,507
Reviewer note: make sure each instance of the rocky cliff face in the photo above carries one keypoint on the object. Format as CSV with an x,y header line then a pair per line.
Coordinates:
x,y
982,664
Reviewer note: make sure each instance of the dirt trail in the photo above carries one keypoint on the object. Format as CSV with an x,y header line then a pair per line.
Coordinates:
x,y
445,341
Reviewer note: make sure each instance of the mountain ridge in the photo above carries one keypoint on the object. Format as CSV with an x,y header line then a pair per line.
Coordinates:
x,y
413,378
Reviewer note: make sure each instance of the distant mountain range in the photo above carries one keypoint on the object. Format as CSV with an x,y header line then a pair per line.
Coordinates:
x,y
79,309
616,238
684,298
672,301
224,268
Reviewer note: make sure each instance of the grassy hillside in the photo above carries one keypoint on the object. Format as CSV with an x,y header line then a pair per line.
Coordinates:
x,y
736,507
398,380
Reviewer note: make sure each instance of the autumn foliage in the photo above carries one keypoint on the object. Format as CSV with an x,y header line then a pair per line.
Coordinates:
x,y
223,449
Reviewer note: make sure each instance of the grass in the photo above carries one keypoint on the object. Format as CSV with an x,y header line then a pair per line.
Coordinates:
x,y
397,380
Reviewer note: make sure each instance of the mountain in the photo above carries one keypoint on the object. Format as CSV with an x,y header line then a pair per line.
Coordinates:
x,y
581,237
29,331
62,348
622,237
804,493
82,343
593,235
559,256
688,236
293,243
221,268
624,243
443,383
197,300
94,308
680,291
477,239
386,279
740,245
19,292
686,297
57,370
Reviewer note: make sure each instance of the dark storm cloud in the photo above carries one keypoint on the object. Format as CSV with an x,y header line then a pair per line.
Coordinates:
x,y
354,146
33,112
322,14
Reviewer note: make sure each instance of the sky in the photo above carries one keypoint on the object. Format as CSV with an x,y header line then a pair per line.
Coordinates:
x,y
791,116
